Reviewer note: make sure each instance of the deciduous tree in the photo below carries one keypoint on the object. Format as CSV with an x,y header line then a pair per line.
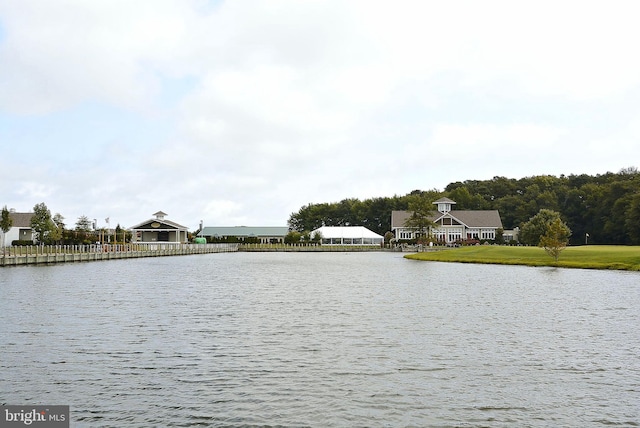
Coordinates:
x,y
633,220
537,226
41,223
292,237
421,209
555,238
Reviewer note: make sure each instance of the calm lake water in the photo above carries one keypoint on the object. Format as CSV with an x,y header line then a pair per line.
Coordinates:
x,y
321,339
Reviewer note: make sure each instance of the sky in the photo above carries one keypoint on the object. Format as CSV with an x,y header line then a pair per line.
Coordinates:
x,y
241,112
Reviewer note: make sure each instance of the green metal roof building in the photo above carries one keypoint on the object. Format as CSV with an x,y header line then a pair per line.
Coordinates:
x,y
266,234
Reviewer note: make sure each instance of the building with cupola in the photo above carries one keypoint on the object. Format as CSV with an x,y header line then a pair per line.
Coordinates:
x,y
451,225
159,230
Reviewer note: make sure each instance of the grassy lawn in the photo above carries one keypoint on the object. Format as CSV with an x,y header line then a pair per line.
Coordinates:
x,y
585,257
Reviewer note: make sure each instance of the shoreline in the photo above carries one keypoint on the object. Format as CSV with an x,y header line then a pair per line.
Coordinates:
x,y
605,257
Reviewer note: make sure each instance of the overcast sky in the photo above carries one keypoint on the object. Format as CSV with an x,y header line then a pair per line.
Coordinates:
x,y
241,112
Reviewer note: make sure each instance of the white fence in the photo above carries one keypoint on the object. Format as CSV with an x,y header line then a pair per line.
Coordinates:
x,y
32,254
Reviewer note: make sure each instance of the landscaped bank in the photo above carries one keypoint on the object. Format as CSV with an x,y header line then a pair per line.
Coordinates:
x,y
585,257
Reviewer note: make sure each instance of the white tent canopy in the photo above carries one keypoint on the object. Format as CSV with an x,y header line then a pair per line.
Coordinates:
x,y
348,235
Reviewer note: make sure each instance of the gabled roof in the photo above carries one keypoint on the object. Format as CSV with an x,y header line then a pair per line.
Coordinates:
x,y
346,232
162,224
21,219
245,231
399,218
478,218
470,218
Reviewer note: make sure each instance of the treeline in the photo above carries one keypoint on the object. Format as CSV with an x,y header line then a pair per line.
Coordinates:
x,y
604,206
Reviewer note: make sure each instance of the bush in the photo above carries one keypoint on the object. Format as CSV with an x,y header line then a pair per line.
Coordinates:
x,y
21,243
470,241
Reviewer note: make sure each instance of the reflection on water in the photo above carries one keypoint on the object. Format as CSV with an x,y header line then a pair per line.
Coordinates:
x,y
339,339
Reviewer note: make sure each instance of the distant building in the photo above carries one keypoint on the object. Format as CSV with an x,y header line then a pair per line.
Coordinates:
x,y
347,235
159,230
452,225
264,234
511,235
20,228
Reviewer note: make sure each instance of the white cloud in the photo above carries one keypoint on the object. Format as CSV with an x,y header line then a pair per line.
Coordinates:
x,y
35,190
221,211
618,149
295,102
477,138
57,54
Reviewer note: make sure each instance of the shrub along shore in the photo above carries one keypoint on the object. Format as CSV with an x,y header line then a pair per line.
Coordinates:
x,y
584,257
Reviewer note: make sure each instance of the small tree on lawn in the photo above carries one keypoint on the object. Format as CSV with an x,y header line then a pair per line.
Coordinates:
x,y
537,226
5,222
556,238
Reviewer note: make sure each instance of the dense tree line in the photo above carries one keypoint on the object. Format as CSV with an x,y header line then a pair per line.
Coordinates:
x,y
604,206
374,214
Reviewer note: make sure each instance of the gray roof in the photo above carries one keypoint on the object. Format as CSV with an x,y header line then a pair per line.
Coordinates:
x,y
445,201
478,218
246,231
164,224
399,218
21,219
470,218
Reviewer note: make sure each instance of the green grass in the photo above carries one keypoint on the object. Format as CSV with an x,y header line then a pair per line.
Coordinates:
x,y
584,257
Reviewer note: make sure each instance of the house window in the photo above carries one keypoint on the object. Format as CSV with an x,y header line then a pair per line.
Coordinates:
x,y
440,235
488,234
406,235
454,236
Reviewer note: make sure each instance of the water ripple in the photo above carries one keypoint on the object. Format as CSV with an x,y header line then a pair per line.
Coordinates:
x,y
321,340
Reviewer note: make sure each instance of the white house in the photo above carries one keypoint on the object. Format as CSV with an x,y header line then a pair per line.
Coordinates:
x,y
452,225
348,235
20,228
158,230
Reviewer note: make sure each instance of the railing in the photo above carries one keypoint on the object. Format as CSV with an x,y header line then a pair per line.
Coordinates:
x,y
31,254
